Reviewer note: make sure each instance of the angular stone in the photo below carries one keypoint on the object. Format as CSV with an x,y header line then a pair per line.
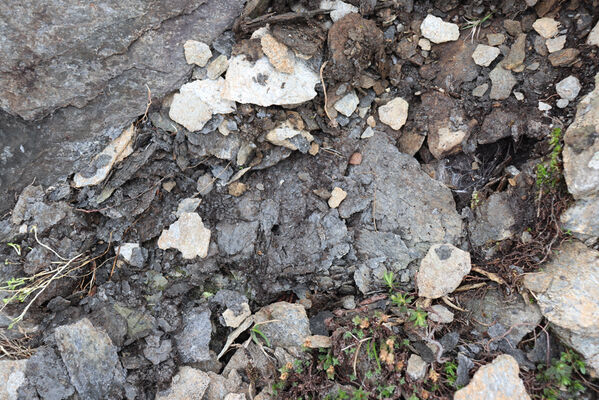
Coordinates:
x,y
318,342
394,113
188,235
287,135
442,270
446,123
555,44
48,374
502,83
133,254
582,218
347,104
495,220
495,39
515,58
337,196
194,339
495,381
290,325
563,58
339,8
197,53
217,67
480,90
440,314
12,377
188,384
438,31
234,319
568,88
546,27
593,38
484,55
278,54
416,368
512,27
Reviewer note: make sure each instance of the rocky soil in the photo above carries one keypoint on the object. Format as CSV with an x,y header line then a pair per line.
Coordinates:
x,y
313,199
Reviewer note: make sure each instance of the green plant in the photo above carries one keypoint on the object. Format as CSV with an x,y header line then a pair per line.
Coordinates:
x,y
401,300
16,247
255,332
561,375
475,25
385,391
389,278
549,173
360,394
328,364
418,317
451,369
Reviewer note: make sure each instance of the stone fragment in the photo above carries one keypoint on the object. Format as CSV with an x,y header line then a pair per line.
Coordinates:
x,y
234,319
546,27
593,38
446,125
318,342
514,28
91,360
416,368
568,88
519,96
368,132
515,58
217,67
564,57
101,165
188,235
555,44
410,142
289,326
544,106
582,218
337,196
188,384
46,371
260,83
440,314
394,113
133,254
502,83
568,296
157,351
347,104
498,380
480,90
12,377
188,205
484,55
237,188
278,54
197,53
355,159
442,270
194,339
494,220
495,39
424,44
438,31
562,103
287,135
339,8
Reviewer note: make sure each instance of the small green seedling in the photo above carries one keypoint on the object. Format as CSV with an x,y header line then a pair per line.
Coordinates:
x,y
389,278
16,247
418,317
255,332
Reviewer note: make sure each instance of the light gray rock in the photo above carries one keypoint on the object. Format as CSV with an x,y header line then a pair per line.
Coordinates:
x,y
90,359
438,31
287,135
495,39
337,196
568,88
440,314
193,341
188,235
217,67
447,126
12,377
292,325
47,373
237,238
562,103
546,27
442,270
484,55
347,104
197,53
188,205
480,90
133,254
156,350
568,296
581,218
593,38
502,83
416,368
498,380
495,220
339,8
394,113
556,44
188,384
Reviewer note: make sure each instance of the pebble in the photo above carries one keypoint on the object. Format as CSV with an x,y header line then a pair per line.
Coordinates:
x,y
495,39
533,66
484,55
347,104
515,58
314,149
339,8
555,44
394,113
348,302
355,159
568,88
502,83
562,103
512,27
544,106
371,121
424,44
546,27
480,90
564,57
416,368
337,196
217,67
440,314
237,188
438,31
519,96
368,132
286,135
205,184
197,53
278,54
593,38
442,270
188,235
540,46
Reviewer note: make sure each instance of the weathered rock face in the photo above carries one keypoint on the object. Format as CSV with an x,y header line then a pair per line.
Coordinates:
x,y
84,79
189,383
568,296
290,326
12,375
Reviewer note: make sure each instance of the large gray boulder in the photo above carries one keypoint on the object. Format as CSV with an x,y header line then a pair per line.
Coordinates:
x,y
74,75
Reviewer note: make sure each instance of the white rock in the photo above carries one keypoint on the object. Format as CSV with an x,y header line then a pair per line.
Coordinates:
x,y
260,83
188,235
278,54
519,96
568,88
197,53
340,9
217,67
442,270
368,132
502,83
232,319
101,164
188,384
544,106
416,368
394,113
593,38
196,101
281,135
484,55
127,251
440,314
546,27
555,44
337,196
187,206
438,31
562,103
424,44
445,141
347,104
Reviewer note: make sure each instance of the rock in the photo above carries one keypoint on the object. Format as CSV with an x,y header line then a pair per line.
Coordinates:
x,y
555,44
581,218
480,90
339,8
133,254
519,96
540,46
196,101
442,270
465,364
349,302
502,83
440,314
235,396
446,125
197,53
47,373
544,106
593,38
188,235
424,44
292,325
157,351
495,39
410,142
546,27
498,380
563,58
347,104
484,55
260,83
562,103
139,323
337,196
355,159
12,377
566,292
278,54
416,368
581,150
220,387
368,132
188,205
188,384
217,67
495,220
287,135
318,342
437,31
109,53
193,341
101,165
90,359
234,319
205,184
394,113
514,28
499,124
568,88
515,58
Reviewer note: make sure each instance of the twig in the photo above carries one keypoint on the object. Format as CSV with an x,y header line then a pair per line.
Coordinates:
x,y
333,122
